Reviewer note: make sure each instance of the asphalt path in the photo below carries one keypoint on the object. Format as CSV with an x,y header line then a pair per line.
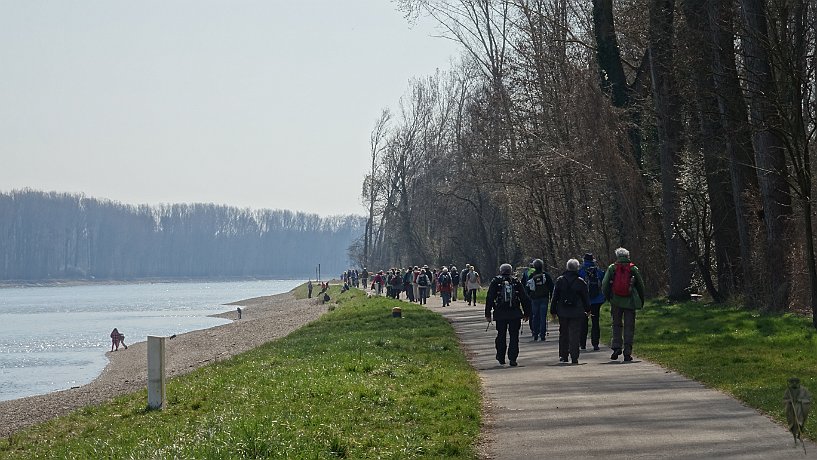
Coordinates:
x,y
544,409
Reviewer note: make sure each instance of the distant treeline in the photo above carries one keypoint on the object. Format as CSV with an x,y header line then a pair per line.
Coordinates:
x,y
69,236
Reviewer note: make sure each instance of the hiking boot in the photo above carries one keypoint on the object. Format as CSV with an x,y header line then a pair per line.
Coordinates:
x,y
575,361
615,354
583,347
562,360
513,363
501,361
596,348
535,338
627,358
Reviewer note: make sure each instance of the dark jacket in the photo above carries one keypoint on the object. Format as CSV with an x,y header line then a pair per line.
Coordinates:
x,y
548,284
570,296
520,299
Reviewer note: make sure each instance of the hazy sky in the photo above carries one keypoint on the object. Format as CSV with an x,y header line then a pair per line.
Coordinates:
x,y
261,104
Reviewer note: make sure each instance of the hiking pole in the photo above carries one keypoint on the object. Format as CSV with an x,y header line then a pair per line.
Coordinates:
x,y
489,325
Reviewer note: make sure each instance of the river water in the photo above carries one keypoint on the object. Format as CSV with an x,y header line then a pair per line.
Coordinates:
x,y
55,338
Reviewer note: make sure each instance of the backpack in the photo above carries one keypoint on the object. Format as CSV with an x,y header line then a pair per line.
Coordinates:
x,y
623,279
445,280
505,294
472,276
422,280
540,289
569,300
592,278
455,278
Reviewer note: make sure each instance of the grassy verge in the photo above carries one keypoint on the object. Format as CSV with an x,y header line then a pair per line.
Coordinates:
x,y
747,354
357,383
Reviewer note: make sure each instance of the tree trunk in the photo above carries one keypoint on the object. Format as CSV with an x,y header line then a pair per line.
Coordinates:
x,y
712,145
739,141
769,151
667,105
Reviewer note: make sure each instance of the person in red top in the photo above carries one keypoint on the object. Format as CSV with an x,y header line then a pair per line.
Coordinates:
x,y
445,286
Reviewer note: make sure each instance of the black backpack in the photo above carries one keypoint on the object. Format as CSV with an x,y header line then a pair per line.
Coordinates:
x,y
505,293
445,280
422,279
570,299
540,283
593,282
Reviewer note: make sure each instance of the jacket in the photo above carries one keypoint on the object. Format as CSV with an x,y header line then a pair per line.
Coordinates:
x,y
520,307
570,287
635,301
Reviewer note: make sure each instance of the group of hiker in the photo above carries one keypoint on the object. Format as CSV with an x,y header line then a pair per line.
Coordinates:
x,y
420,283
575,298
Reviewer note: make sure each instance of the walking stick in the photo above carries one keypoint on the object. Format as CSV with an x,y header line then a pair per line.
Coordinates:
x,y
489,325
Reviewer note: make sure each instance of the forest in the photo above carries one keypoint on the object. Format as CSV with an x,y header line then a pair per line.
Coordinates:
x,y
47,236
680,130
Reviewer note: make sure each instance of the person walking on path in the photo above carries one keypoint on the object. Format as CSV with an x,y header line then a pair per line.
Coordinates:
x,y
463,277
540,287
505,297
446,285
473,284
407,277
624,288
571,303
455,282
364,276
592,275
423,283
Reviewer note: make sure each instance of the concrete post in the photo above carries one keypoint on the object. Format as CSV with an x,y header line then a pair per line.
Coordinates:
x,y
156,372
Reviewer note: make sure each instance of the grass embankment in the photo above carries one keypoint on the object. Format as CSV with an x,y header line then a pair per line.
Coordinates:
x,y
747,354
357,383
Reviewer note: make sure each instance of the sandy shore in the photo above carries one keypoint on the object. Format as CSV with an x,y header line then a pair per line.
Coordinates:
x,y
263,319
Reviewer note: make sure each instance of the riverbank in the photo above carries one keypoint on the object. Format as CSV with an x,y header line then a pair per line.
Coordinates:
x,y
263,319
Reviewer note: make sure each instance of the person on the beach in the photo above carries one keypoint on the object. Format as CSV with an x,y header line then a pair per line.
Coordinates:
x,y
117,339
505,297
122,340
309,289
114,339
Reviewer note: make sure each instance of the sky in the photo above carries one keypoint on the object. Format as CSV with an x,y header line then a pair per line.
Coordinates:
x,y
259,104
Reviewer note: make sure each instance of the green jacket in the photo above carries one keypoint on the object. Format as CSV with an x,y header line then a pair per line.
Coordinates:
x,y
635,301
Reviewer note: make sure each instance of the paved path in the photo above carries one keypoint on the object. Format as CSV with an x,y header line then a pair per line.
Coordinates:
x,y
602,409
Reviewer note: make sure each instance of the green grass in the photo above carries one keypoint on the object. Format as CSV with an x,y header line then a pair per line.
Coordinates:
x,y
355,384
747,354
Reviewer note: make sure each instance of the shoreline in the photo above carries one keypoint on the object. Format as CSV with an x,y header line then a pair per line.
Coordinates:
x,y
113,282
263,319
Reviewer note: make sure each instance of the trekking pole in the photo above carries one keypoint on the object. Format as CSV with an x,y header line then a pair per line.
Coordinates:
x,y
489,325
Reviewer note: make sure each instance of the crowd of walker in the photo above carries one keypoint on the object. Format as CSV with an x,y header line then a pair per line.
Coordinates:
x,y
575,298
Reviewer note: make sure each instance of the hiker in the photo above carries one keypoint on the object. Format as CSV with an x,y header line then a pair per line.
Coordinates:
x,y
592,275
624,288
571,304
540,287
238,312
434,276
505,297
396,284
407,277
472,282
455,283
364,276
423,283
414,274
446,286
377,281
309,289
463,275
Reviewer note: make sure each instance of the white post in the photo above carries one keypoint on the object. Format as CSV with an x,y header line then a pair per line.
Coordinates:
x,y
156,372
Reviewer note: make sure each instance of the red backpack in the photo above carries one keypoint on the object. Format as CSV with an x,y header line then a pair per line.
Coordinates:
x,y
622,279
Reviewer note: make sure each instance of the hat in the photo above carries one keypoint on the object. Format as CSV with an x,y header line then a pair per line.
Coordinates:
x,y
589,257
